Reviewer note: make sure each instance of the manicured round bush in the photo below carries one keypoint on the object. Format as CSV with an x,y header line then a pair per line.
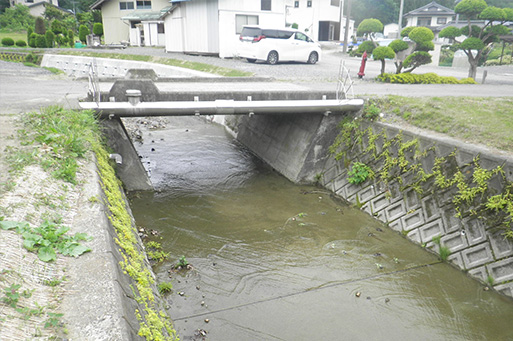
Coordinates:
x,y
21,43
7,41
366,46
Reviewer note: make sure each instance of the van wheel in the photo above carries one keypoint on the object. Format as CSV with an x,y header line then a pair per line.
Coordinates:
x,y
251,60
313,58
272,57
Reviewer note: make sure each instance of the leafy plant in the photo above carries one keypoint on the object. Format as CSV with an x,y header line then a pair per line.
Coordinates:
x,y
371,112
165,287
359,173
12,296
48,239
53,320
182,262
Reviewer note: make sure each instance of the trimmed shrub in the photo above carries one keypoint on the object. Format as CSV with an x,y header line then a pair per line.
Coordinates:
x,y
427,78
40,26
29,33
32,40
98,29
366,46
71,38
83,32
7,41
40,41
21,43
50,38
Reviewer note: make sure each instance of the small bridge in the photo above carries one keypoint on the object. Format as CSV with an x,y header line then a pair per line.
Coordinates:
x,y
216,96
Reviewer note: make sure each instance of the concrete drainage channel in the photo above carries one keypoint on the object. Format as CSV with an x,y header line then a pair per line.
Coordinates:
x,y
475,246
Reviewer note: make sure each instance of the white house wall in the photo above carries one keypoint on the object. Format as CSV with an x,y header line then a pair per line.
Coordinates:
x,y
115,30
193,28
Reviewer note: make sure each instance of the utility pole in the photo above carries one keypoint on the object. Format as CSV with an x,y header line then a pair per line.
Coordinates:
x,y
346,32
400,19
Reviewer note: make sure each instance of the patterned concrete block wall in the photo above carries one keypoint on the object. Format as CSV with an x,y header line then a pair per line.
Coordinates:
x,y
422,210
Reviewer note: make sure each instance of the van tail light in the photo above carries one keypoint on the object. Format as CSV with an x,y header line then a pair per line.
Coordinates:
x,y
257,39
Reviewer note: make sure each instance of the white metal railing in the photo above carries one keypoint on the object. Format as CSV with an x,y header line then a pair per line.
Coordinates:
x,y
94,86
344,83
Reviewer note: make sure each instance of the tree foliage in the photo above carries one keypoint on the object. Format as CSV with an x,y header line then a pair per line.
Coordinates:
x,y
478,41
39,27
414,53
381,53
16,18
368,26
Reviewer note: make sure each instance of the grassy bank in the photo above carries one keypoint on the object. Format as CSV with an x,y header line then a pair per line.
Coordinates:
x,y
60,142
487,121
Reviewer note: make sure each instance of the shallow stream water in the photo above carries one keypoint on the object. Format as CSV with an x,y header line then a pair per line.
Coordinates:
x,y
275,261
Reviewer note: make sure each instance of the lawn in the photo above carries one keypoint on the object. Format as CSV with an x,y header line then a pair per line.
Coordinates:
x,y
488,121
14,35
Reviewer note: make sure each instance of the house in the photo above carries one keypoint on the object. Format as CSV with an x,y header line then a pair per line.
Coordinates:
x,y
431,15
214,26
135,21
322,19
37,7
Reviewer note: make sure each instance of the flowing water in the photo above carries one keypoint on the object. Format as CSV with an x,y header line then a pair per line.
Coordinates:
x,y
275,261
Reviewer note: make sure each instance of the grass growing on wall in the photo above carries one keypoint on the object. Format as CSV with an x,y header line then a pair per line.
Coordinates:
x,y
395,158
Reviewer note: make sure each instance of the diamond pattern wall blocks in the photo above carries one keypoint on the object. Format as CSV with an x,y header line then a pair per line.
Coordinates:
x,y
501,271
428,231
477,255
412,220
455,241
474,230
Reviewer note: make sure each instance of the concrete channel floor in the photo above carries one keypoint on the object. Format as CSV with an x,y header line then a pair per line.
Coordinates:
x,y
90,302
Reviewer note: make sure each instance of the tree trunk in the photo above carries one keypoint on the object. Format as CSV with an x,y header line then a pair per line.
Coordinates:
x,y
382,66
473,61
398,67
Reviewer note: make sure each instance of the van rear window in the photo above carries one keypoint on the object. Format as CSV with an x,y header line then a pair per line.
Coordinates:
x,y
251,32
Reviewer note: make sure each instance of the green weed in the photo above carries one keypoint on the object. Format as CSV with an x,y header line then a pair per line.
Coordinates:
x,y
165,287
359,173
48,239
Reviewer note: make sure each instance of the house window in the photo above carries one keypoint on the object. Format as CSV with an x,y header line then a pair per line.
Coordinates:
x,y
124,5
30,1
160,28
308,4
265,5
296,4
143,4
241,20
424,21
441,21
335,3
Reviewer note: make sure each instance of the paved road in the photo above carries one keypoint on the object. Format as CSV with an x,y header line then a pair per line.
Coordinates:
x,y
324,75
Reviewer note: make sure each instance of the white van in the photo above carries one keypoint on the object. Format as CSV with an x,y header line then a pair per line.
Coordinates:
x,y
273,45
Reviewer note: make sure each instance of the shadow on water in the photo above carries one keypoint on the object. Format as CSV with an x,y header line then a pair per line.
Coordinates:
x,y
276,261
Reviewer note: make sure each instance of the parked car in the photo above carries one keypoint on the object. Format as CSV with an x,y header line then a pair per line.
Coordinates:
x,y
274,45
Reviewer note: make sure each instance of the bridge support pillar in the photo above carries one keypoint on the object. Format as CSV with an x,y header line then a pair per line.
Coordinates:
x,y
129,167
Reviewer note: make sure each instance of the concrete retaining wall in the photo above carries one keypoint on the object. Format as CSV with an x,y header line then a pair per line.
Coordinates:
x,y
297,146
476,240
294,145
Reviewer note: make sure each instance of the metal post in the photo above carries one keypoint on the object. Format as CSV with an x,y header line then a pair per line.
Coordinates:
x,y
346,32
400,23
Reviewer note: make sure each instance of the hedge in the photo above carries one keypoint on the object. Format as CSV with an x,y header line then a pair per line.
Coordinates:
x,y
427,78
